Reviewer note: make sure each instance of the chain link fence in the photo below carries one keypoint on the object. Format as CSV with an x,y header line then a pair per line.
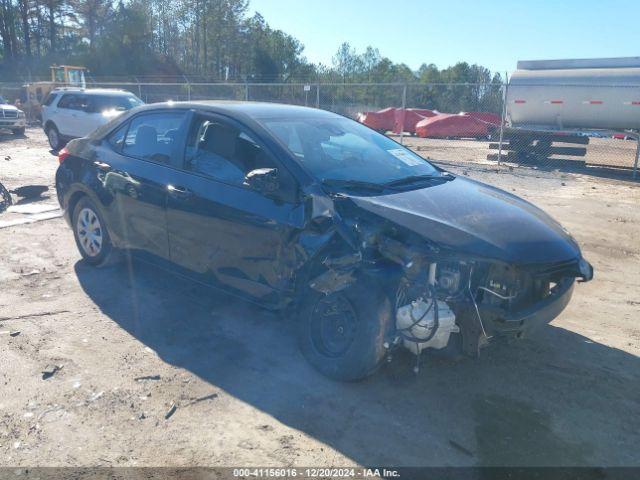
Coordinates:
x,y
548,128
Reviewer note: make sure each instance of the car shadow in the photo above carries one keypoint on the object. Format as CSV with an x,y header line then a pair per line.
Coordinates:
x,y
6,136
556,399
598,170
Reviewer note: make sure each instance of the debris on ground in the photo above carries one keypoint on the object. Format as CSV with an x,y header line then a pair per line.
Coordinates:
x,y
96,396
30,191
202,399
33,208
147,377
14,333
50,370
39,314
171,411
52,409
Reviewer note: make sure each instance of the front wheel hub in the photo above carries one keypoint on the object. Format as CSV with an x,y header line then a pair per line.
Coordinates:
x,y
333,326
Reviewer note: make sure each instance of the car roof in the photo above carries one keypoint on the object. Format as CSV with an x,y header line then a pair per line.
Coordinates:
x,y
93,91
248,110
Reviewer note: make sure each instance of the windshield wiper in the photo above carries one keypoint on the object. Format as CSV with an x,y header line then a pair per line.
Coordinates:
x,y
415,178
358,184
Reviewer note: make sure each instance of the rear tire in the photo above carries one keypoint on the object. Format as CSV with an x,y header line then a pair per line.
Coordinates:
x,y
91,233
343,334
18,132
53,135
5,198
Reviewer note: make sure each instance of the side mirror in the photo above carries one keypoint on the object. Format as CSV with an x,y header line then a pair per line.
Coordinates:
x,y
263,180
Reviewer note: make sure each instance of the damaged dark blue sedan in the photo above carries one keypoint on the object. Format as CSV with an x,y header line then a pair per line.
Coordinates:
x,y
371,245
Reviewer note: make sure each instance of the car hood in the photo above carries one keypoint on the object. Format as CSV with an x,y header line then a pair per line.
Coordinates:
x,y
6,106
478,220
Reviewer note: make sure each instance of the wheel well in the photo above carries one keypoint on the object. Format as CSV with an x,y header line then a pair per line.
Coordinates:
x,y
73,201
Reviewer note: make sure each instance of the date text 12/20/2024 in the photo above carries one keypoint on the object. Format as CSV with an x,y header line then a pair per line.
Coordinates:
x,y
315,473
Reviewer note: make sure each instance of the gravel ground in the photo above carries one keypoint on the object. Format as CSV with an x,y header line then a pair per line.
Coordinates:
x,y
157,371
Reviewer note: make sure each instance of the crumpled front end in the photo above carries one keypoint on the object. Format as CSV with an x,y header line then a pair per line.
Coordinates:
x,y
445,299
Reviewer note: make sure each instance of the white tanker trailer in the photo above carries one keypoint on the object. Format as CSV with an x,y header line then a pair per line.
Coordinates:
x,y
553,106
576,94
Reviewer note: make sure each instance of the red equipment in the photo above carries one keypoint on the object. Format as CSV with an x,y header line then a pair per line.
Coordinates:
x,y
446,125
411,117
382,120
488,117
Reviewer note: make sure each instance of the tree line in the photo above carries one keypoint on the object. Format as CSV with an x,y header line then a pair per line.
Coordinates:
x,y
208,40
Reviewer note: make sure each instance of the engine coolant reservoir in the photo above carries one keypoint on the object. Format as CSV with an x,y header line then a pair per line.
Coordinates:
x,y
417,321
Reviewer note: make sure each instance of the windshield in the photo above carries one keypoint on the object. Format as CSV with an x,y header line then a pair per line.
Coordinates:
x,y
343,150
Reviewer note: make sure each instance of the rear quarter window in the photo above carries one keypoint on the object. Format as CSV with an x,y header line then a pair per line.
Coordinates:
x,y
50,99
116,139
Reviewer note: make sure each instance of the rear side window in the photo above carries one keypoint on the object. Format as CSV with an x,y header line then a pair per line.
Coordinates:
x,y
50,99
73,101
119,103
153,136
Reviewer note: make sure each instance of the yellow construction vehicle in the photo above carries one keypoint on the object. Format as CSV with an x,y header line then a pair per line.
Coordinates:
x,y
33,94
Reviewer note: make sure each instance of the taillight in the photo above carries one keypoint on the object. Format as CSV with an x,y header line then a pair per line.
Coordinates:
x,y
62,155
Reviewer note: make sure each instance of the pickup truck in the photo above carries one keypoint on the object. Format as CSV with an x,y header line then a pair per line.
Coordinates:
x,y
12,118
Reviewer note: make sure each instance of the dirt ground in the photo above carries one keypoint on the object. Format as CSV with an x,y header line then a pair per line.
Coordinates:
x,y
132,341
609,152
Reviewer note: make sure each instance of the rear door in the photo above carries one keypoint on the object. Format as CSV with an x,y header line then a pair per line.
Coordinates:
x,y
102,108
65,113
231,235
135,164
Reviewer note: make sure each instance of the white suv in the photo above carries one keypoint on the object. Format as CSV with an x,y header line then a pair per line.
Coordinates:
x,y
76,112
12,118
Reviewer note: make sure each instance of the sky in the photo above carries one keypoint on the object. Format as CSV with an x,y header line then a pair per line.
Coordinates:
x,y
492,33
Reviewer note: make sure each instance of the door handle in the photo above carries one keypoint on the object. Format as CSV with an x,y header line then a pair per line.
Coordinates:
x,y
102,166
179,192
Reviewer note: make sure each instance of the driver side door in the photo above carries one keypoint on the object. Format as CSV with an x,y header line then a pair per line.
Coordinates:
x,y
231,235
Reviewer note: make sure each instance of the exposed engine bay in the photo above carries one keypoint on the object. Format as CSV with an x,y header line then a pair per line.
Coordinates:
x,y
426,322
446,300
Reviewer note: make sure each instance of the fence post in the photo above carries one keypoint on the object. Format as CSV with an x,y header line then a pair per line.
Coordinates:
x,y
404,107
635,164
246,91
503,116
139,88
318,95
188,87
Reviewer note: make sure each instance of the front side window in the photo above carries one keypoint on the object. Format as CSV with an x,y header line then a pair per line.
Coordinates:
x,y
223,152
152,136
339,149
